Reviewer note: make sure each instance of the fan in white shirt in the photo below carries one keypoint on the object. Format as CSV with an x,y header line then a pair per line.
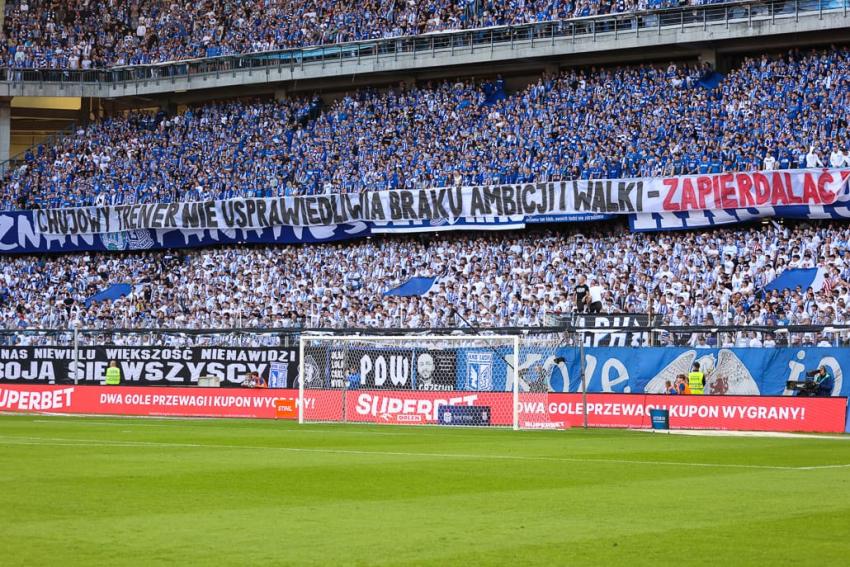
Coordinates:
x,y
837,158
813,159
769,163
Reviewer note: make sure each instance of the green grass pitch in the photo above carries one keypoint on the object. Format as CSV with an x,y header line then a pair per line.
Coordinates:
x,y
103,491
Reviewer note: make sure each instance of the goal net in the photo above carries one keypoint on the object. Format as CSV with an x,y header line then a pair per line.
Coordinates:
x,y
542,370
480,380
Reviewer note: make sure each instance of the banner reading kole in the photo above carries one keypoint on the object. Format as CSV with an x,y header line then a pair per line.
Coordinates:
x,y
523,201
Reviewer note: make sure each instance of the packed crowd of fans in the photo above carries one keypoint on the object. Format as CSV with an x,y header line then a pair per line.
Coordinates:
x,y
86,34
772,112
710,278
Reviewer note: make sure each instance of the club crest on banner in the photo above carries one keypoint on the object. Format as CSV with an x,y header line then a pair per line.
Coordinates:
x,y
479,368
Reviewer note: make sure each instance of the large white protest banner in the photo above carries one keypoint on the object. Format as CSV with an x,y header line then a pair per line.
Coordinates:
x,y
517,202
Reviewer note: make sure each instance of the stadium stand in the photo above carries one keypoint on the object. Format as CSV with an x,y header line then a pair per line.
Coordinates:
x,y
711,277
85,34
771,112
463,214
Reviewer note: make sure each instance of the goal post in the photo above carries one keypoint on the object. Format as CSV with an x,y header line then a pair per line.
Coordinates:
x,y
409,379
544,369
485,380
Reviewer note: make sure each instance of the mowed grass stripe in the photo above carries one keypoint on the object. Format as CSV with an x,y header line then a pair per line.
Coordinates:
x,y
574,443
66,442
592,513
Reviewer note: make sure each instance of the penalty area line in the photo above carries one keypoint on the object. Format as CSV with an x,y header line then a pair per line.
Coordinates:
x,y
67,442
818,467
205,421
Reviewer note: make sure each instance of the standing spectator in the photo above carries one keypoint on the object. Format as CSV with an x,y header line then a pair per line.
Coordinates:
x,y
769,163
837,158
595,296
813,159
581,295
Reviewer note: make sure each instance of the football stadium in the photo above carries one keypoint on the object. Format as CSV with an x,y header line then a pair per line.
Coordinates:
x,y
424,282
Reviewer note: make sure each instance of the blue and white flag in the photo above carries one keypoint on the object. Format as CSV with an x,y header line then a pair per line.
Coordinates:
x,y
414,286
804,277
111,293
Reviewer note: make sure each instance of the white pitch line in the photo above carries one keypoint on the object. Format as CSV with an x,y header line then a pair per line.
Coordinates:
x,y
123,423
21,440
729,433
106,423
818,467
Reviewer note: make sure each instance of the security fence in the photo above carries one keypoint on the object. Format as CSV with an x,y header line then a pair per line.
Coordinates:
x,y
523,378
596,330
588,358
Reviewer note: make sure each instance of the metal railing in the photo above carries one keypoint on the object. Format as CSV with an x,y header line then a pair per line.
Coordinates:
x,y
631,336
611,26
50,140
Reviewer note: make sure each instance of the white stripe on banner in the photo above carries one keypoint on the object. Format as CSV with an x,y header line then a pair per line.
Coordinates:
x,y
817,283
427,227
649,222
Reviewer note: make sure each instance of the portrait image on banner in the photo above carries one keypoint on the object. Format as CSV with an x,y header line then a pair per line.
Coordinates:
x,y
436,369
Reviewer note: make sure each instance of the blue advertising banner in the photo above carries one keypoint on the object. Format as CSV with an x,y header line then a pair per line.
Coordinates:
x,y
728,371
690,220
476,416
19,235
505,222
